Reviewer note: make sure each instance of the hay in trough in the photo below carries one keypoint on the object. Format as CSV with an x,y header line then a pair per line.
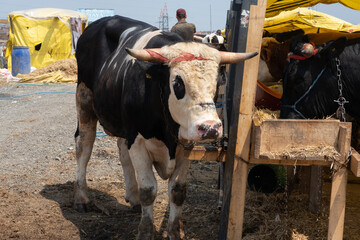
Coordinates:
x,y
308,152
262,114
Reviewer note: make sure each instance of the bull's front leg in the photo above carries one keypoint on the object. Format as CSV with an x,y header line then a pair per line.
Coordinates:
x,y
147,187
131,186
177,194
84,139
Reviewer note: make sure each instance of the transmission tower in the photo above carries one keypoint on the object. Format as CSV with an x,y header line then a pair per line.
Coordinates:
x,y
164,19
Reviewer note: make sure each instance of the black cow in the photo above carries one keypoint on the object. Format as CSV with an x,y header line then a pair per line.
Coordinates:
x,y
311,83
155,93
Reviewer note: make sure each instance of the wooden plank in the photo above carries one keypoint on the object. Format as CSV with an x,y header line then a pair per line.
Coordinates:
x,y
244,124
205,153
337,205
289,162
294,139
355,163
280,133
344,138
239,180
256,143
338,187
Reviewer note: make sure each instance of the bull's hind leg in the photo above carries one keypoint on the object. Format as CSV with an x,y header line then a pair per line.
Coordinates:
x,y
131,186
147,187
177,194
84,139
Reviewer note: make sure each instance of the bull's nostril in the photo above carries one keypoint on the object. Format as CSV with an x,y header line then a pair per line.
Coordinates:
x,y
203,127
209,130
211,134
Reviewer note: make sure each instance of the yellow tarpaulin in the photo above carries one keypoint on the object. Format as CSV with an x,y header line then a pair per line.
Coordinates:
x,y
48,33
309,21
274,7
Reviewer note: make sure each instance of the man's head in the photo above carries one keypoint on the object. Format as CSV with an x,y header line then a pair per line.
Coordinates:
x,y
218,32
180,13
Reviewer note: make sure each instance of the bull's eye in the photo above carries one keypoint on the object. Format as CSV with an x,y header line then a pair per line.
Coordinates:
x,y
179,87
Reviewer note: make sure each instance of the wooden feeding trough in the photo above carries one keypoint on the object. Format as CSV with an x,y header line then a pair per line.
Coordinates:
x,y
308,142
300,142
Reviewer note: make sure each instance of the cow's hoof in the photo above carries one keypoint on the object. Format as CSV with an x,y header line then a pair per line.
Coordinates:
x,y
136,208
81,207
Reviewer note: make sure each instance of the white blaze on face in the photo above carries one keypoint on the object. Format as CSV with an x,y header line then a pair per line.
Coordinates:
x,y
193,87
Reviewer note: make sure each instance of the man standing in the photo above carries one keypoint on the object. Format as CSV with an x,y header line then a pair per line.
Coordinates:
x,y
184,29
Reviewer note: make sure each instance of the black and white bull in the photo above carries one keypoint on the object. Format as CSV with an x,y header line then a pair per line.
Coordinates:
x,y
155,93
311,83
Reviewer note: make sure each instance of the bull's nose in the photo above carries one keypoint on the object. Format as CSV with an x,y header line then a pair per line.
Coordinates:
x,y
209,130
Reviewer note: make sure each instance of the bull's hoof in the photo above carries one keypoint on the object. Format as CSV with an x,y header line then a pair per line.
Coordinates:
x,y
81,207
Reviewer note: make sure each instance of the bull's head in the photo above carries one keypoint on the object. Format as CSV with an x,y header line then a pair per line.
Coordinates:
x,y
193,82
310,83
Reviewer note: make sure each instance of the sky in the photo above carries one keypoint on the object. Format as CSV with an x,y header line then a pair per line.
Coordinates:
x,y
205,14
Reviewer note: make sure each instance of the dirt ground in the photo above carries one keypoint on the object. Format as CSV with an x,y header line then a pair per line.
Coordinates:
x,y
37,170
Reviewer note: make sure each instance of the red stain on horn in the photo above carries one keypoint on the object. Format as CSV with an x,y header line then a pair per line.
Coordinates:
x,y
156,55
183,56
187,57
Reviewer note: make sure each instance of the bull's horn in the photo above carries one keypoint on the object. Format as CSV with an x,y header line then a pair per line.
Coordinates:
x,y
308,50
149,55
231,57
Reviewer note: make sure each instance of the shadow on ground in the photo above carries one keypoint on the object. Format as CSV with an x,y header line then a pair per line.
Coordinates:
x,y
105,218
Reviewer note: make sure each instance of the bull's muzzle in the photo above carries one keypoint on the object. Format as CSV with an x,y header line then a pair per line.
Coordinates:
x,y
209,130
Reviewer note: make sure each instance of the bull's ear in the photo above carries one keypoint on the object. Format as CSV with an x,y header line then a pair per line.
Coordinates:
x,y
334,48
265,54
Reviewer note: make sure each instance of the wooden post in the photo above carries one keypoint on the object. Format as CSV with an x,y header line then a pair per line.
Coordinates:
x,y
304,179
337,205
355,163
338,189
315,189
238,154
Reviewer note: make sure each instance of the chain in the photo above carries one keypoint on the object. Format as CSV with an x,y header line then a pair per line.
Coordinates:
x,y
340,113
341,100
337,165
